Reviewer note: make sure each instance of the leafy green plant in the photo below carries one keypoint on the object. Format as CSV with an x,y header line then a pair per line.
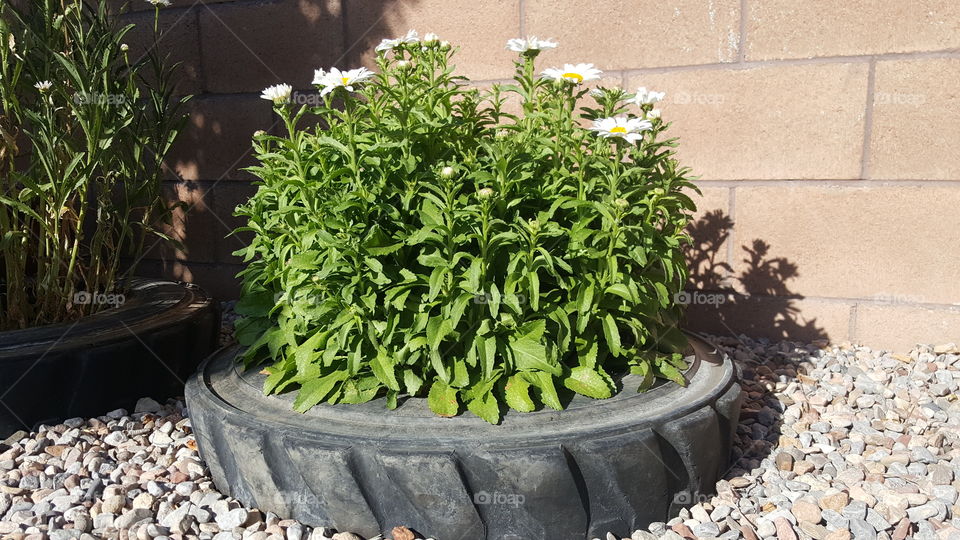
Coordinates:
x,y
420,239
85,126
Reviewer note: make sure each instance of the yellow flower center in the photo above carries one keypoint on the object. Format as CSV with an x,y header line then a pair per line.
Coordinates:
x,y
576,77
618,129
345,80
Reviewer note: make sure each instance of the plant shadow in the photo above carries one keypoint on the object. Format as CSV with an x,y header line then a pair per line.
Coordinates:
x,y
729,300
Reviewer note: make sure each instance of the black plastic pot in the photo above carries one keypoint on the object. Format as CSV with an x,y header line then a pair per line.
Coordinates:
x,y
147,347
599,466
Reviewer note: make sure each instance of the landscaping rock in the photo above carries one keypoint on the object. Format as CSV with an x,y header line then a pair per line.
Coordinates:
x,y
878,465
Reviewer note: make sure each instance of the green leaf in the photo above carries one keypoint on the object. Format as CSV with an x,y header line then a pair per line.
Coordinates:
x,y
493,300
666,371
544,388
360,390
530,354
643,369
587,354
315,391
392,396
486,407
383,368
622,291
442,399
411,381
437,329
461,375
585,298
518,394
662,293
587,382
612,334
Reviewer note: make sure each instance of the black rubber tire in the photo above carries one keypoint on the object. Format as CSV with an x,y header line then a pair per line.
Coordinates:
x,y
146,347
599,466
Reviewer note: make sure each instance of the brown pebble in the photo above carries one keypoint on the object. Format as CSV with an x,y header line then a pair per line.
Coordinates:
x,y
805,510
684,531
839,534
179,477
747,531
71,481
835,501
784,461
740,482
56,450
784,529
402,533
902,530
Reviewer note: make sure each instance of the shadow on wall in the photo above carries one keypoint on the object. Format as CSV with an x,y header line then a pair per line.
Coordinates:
x,y
757,302
229,51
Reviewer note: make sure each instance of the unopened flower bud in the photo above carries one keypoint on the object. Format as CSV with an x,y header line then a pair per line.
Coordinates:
x,y
447,172
485,193
445,45
621,203
124,47
259,133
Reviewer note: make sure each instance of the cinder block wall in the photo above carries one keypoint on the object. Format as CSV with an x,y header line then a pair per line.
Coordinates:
x,y
825,134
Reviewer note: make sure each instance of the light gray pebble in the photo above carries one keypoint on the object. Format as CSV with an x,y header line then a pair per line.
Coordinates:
x,y
861,530
876,520
232,519
855,510
131,517
922,512
706,529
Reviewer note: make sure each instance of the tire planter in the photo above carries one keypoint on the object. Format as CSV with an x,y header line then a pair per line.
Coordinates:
x,y
146,347
600,465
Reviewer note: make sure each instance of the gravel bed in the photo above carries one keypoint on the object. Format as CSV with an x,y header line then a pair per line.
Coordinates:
x,y
834,443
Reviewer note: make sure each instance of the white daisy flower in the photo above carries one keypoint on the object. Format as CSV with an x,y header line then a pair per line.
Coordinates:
x,y
648,97
390,44
335,78
630,129
575,73
531,43
43,86
159,3
278,93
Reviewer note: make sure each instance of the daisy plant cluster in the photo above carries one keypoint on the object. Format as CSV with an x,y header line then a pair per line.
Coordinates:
x,y
489,250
